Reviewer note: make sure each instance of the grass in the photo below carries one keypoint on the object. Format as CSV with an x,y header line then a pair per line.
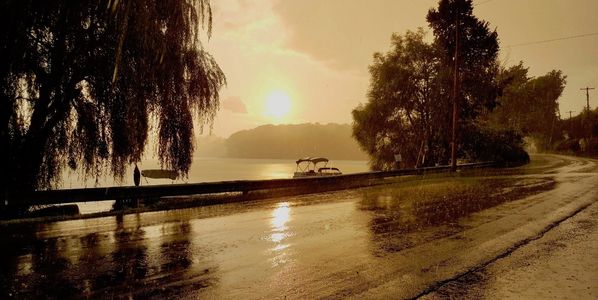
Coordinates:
x,y
413,212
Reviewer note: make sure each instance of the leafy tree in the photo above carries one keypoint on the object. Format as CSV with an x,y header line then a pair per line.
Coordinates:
x,y
543,109
578,131
508,110
410,98
530,105
82,83
501,145
403,107
477,59
576,127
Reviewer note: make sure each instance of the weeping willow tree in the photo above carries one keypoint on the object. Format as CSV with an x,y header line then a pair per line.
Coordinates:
x,y
83,83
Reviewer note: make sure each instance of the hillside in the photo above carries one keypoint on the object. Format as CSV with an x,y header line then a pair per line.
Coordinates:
x,y
210,146
293,141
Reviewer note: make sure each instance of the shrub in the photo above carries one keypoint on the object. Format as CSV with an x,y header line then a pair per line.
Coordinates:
x,y
505,147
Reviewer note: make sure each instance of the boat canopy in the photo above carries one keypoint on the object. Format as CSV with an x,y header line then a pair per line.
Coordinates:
x,y
313,160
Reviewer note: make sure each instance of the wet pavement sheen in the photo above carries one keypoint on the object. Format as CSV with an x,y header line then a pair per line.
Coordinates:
x,y
334,244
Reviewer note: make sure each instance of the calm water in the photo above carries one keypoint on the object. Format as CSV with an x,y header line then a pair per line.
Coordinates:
x,y
206,169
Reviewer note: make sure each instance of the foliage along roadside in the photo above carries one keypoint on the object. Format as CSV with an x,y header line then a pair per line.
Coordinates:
x,y
409,108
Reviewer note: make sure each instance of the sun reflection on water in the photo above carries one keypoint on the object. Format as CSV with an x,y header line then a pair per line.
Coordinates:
x,y
276,170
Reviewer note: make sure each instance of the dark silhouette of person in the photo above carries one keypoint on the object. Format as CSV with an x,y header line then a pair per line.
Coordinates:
x,y
136,176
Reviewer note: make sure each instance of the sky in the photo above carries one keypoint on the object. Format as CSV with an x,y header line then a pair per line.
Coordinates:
x,y
297,61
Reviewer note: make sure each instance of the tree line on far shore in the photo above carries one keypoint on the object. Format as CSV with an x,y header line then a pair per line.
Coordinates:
x,y
295,141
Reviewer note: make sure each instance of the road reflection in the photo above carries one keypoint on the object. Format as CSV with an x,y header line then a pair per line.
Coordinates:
x,y
129,257
131,261
184,253
325,245
280,217
280,232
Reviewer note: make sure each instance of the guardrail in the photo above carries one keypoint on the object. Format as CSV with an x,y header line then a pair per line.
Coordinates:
x,y
157,191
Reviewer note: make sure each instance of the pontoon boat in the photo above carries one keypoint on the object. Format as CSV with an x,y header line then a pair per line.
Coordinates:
x,y
314,166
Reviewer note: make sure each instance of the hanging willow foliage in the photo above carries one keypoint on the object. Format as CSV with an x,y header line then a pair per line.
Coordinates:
x,y
83,82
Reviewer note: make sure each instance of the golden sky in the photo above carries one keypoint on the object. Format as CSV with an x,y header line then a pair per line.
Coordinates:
x,y
308,58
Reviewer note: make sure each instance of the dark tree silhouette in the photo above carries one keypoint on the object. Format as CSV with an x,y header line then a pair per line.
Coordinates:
x,y
404,107
478,53
530,104
410,99
83,82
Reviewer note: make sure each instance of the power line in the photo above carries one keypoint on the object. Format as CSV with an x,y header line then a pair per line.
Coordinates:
x,y
542,41
554,40
483,2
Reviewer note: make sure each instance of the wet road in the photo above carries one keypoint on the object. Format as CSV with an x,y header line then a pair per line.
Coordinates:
x,y
561,264
396,241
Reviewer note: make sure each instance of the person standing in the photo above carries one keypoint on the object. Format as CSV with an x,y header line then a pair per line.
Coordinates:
x,y
136,176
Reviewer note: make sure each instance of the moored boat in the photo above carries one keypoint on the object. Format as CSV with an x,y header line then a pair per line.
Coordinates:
x,y
314,166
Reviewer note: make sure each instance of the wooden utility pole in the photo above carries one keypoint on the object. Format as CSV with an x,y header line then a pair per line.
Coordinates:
x,y
570,124
455,96
570,112
589,121
587,89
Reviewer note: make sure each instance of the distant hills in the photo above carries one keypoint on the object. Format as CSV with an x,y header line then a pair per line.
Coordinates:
x,y
333,141
210,146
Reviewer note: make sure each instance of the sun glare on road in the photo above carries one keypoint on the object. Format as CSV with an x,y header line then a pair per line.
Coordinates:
x,y
280,217
278,104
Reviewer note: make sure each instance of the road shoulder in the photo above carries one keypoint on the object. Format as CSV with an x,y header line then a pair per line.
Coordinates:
x,y
563,263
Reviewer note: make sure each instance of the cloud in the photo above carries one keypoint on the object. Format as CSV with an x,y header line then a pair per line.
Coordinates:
x,y
318,51
345,34
234,104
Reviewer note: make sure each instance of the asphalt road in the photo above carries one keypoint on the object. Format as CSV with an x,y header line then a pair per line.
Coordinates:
x,y
470,235
561,264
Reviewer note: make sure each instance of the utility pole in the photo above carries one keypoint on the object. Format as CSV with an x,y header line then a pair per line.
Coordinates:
x,y
455,96
589,121
570,112
570,124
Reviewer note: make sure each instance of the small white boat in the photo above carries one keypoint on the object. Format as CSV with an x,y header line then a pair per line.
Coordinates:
x,y
314,166
160,174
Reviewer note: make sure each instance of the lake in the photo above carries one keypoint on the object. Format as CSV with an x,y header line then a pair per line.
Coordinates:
x,y
205,169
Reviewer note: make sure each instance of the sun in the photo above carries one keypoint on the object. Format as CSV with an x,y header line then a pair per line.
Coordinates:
x,y
278,104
